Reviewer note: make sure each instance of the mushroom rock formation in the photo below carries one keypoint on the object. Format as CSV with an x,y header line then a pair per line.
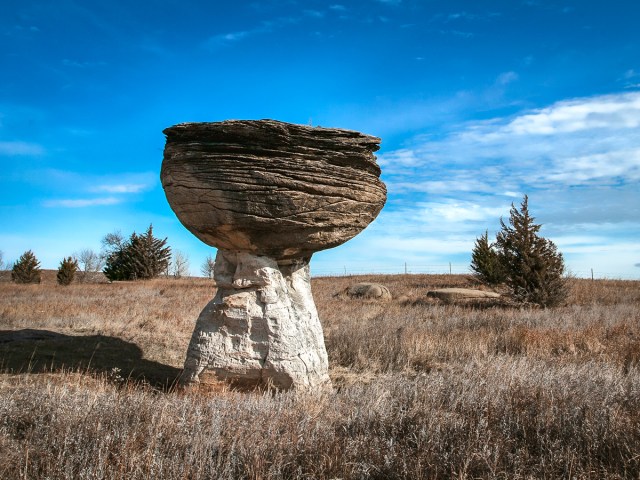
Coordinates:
x,y
267,195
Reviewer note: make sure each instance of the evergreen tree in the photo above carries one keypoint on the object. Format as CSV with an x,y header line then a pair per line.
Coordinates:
x,y
139,258
26,269
116,265
533,266
67,270
148,256
486,262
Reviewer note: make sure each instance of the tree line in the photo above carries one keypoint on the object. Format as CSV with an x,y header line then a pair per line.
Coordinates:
x,y
138,257
528,267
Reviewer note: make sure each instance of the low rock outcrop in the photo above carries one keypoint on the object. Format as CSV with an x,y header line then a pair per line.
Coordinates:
x,y
268,195
451,295
367,291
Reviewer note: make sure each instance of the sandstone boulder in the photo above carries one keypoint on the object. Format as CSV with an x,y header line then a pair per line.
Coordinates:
x,y
271,188
369,291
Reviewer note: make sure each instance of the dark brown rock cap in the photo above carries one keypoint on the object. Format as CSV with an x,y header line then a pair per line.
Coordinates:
x,y
272,188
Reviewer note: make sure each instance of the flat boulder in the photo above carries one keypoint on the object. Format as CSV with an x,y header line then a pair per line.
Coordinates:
x,y
451,295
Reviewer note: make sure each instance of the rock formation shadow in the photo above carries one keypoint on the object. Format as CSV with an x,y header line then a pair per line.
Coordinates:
x,y
44,351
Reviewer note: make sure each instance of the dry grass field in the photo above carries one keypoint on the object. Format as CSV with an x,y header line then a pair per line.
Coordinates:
x,y
422,389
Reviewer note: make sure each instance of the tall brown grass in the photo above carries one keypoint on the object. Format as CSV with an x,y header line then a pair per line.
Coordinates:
x,y
422,389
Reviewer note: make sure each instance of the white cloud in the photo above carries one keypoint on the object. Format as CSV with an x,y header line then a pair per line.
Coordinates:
x,y
604,112
601,167
18,148
458,212
82,202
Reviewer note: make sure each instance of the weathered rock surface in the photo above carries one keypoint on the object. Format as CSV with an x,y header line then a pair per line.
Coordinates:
x,y
262,328
369,291
268,195
451,295
271,188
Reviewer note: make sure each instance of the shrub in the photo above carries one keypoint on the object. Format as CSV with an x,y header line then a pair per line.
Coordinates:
x,y
67,271
26,269
531,266
139,258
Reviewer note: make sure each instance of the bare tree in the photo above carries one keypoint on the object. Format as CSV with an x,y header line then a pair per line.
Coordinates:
x,y
1,260
179,264
90,262
207,267
113,241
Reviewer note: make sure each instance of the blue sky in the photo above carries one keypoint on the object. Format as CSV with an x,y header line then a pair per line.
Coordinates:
x,y
477,103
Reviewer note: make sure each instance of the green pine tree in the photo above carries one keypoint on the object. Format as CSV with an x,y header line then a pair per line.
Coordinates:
x,y
139,258
534,268
149,256
67,271
26,269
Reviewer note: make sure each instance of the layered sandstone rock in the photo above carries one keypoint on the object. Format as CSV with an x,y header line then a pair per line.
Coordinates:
x,y
271,188
268,195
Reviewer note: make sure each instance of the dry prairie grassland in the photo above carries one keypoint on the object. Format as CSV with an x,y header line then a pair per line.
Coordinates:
x,y
423,389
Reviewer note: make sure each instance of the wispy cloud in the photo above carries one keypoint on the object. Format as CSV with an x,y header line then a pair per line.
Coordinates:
x,y
506,78
118,188
121,188
579,160
19,148
82,202
265,27
79,64
570,143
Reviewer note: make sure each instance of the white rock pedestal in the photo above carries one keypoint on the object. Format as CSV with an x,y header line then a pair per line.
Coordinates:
x,y
262,327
